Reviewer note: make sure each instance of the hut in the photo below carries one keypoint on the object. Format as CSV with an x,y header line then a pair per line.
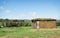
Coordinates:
x,y
43,23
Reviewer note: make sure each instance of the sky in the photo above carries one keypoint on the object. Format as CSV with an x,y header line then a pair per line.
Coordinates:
x,y
29,9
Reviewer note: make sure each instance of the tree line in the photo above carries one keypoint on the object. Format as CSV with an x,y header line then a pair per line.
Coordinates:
x,y
15,22
58,22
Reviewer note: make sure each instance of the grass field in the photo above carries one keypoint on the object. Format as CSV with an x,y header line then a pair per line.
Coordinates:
x,y
26,32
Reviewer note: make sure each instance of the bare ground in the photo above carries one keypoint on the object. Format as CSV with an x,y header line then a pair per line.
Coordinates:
x,y
33,30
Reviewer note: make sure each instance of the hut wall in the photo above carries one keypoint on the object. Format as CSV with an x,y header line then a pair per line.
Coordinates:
x,y
42,24
51,24
47,24
34,25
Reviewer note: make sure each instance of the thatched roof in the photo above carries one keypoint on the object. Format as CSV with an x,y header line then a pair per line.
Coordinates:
x,y
43,19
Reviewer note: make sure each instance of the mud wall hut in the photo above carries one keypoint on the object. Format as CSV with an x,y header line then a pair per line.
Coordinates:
x,y
43,23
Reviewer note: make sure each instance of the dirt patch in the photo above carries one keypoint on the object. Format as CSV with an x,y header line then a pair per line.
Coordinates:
x,y
10,28
50,29
34,30
44,29
26,37
52,36
4,37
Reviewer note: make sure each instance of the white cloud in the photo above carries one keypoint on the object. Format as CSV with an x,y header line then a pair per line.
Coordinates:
x,y
7,11
1,7
33,15
30,15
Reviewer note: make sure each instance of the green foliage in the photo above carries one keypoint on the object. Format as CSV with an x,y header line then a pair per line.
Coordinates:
x,y
58,22
58,26
0,23
25,23
9,23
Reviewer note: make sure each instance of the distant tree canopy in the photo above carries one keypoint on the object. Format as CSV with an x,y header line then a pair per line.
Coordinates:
x,y
10,22
58,22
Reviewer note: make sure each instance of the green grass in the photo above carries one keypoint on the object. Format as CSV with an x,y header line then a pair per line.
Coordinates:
x,y
22,32
2,33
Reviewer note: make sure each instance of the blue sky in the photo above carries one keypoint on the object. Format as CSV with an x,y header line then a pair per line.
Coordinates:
x,y
28,9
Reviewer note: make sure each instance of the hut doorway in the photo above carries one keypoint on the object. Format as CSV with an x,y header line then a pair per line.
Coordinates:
x,y
37,25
